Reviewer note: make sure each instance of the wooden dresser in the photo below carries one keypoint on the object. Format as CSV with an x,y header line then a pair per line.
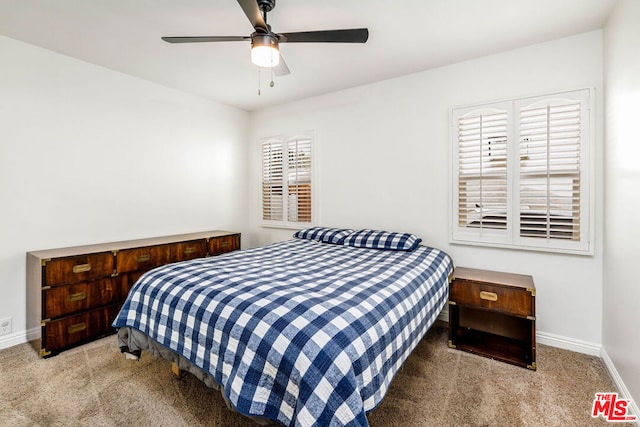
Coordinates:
x,y
74,294
493,314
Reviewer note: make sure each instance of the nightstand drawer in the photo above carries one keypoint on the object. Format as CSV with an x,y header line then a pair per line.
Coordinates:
x,y
514,301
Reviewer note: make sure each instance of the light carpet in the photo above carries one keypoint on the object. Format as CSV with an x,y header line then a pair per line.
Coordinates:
x,y
94,385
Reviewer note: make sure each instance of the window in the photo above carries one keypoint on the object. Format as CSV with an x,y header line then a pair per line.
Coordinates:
x,y
287,181
522,173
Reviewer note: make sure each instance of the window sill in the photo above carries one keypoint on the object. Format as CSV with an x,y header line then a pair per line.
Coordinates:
x,y
567,251
286,225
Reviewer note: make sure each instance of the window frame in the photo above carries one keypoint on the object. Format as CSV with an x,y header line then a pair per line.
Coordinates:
x,y
511,237
285,222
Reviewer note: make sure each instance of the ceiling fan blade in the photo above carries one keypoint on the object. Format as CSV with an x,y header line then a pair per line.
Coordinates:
x,y
355,35
205,39
281,69
253,12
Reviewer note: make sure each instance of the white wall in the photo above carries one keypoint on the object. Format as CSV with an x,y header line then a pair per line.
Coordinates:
x,y
88,155
622,200
383,159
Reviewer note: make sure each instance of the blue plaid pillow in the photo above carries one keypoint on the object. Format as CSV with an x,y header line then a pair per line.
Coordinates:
x,y
383,240
324,234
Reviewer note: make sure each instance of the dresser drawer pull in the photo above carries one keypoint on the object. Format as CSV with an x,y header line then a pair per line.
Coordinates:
x,y
224,244
189,251
77,297
82,268
144,258
489,296
77,328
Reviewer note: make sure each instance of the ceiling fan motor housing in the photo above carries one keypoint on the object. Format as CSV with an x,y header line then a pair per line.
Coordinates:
x,y
264,39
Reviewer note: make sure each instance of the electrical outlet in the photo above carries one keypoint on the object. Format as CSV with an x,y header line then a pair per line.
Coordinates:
x,y
5,326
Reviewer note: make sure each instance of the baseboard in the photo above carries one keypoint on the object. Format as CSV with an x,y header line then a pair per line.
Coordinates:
x,y
622,388
566,343
10,340
21,337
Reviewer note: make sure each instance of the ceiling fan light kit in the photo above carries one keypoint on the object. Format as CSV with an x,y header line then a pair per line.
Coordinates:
x,y
265,50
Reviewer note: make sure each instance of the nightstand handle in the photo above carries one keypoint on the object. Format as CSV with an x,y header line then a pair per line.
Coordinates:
x,y
489,296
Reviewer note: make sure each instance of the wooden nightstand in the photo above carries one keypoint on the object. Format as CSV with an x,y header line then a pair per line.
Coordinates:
x,y
493,314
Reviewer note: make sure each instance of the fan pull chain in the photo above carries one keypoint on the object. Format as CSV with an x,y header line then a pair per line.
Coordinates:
x,y
272,83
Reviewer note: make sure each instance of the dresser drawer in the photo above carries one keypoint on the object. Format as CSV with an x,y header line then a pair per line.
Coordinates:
x,y
71,330
223,244
513,301
142,259
64,300
80,268
183,251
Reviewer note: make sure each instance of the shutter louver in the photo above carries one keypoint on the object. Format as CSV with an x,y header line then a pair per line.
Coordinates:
x,y
272,181
482,170
550,147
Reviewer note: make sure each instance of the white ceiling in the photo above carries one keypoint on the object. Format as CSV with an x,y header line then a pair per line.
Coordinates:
x,y
406,36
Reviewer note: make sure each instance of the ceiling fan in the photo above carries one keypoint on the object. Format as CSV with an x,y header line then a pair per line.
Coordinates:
x,y
265,51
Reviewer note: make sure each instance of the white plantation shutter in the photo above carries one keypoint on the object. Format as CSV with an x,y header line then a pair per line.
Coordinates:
x,y
522,173
482,170
272,180
299,180
286,181
550,171
553,169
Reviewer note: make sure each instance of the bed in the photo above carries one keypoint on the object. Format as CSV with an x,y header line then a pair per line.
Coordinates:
x,y
309,331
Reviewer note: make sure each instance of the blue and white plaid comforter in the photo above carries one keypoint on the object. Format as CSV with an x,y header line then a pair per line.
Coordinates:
x,y
301,332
